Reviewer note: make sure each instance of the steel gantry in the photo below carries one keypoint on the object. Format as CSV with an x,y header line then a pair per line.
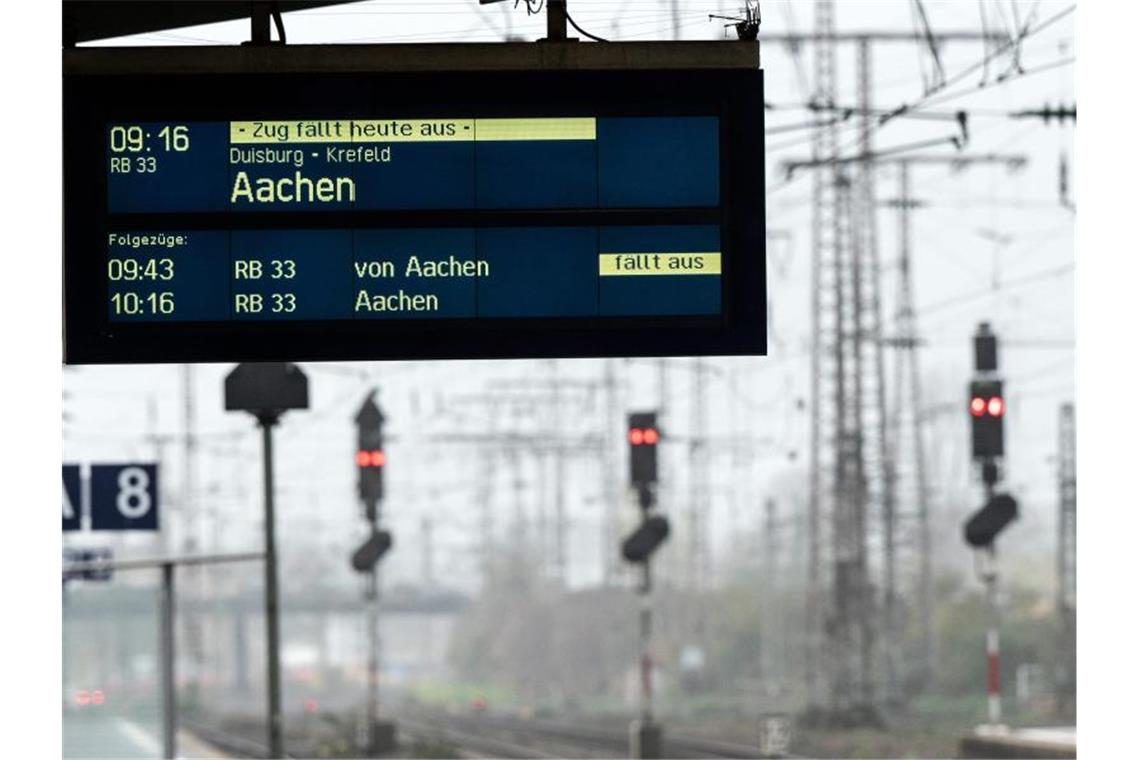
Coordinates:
x,y
851,470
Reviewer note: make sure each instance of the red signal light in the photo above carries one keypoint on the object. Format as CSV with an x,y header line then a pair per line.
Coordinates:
x,y
977,406
82,697
996,406
650,436
311,706
97,697
370,458
636,436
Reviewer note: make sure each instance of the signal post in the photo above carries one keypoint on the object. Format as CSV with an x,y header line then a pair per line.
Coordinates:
x,y
267,391
645,736
987,408
370,460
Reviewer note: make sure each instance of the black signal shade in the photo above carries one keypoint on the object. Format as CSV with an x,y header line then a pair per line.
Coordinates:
x,y
371,551
646,539
981,529
987,413
985,349
643,437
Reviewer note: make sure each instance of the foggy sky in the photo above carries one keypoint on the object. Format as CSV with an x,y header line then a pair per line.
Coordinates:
x,y
980,243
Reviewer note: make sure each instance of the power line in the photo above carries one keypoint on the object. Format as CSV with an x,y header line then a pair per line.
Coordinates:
x,y
1025,34
1014,283
925,99
998,82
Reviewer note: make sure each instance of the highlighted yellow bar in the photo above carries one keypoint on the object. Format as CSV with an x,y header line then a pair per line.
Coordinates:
x,y
410,130
572,128
352,131
639,264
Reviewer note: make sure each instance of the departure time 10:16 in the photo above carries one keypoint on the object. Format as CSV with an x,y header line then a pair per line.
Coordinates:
x,y
135,304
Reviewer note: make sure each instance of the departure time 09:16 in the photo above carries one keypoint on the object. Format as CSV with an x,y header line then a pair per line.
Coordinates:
x,y
132,139
132,147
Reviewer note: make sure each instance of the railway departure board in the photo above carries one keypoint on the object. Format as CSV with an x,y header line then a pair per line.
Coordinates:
x,y
449,214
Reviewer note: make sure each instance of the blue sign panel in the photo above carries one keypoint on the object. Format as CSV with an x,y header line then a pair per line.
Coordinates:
x,y
72,497
71,555
124,497
388,164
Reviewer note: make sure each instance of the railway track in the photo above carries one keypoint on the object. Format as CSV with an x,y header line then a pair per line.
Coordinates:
x,y
486,736
238,742
509,736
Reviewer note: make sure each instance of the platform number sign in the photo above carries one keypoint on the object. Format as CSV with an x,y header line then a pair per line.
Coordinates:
x,y
72,497
124,497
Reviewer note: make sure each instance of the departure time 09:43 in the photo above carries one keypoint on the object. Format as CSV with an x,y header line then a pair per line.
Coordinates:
x,y
131,270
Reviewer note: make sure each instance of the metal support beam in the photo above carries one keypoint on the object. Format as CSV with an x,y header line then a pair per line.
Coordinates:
x,y
467,56
166,644
272,634
260,18
555,20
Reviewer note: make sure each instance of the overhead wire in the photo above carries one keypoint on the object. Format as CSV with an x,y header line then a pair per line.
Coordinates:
x,y
928,98
1017,282
1023,35
1000,81
582,31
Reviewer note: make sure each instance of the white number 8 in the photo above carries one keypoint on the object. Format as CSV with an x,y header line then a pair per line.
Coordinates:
x,y
133,500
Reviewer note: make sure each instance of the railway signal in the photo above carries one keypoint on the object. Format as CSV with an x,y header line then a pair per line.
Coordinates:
x,y
640,544
986,409
987,419
371,460
982,528
370,457
371,551
985,349
643,436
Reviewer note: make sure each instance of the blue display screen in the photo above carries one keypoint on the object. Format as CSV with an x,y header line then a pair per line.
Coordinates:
x,y
372,272
254,210
203,275
527,163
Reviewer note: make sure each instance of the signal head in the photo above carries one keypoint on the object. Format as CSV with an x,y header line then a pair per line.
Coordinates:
x,y
643,437
987,410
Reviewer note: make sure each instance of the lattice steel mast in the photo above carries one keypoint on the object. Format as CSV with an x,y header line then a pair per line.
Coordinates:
x,y
1066,690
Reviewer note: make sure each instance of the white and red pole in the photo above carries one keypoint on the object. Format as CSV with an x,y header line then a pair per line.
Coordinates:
x,y
993,676
988,573
646,656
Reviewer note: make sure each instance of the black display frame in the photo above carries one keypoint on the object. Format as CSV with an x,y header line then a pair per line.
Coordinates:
x,y
93,100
